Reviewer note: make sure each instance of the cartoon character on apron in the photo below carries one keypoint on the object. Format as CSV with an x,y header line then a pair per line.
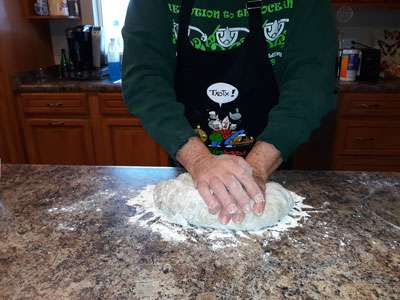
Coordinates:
x,y
227,95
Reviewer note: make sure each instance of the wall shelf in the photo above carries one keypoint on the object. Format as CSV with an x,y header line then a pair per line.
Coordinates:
x,y
30,13
34,17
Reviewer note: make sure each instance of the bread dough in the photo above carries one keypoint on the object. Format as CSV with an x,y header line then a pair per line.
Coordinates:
x,y
180,202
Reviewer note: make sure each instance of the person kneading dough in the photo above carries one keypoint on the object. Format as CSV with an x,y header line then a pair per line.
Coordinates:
x,y
229,88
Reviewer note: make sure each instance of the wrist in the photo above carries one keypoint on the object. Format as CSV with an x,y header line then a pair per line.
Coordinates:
x,y
264,158
192,153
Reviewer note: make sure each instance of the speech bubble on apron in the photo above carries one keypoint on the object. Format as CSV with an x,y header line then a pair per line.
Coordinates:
x,y
222,93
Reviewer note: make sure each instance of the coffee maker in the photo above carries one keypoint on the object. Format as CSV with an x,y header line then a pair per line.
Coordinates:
x,y
86,52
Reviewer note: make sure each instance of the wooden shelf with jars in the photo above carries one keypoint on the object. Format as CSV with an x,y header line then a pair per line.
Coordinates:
x,y
30,11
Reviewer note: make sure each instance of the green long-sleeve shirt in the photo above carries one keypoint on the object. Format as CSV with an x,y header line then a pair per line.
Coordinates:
x,y
301,40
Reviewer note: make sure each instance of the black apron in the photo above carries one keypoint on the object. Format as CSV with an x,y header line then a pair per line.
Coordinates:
x,y
227,95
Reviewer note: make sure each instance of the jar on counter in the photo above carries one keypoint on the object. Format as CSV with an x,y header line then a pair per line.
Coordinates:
x,y
41,8
58,7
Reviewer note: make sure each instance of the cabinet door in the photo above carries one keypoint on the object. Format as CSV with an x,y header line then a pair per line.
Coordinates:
x,y
129,145
59,141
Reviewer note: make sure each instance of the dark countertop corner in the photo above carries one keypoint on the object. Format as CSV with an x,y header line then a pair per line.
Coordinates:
x,y
49,81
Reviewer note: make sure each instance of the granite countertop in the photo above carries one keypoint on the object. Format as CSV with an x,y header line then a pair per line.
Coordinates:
x,y
65,233
49,82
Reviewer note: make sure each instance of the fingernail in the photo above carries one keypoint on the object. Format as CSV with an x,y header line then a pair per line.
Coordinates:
x,y
247,208
258,213
213,211
238,219
225,220
259,198
259,210
232,209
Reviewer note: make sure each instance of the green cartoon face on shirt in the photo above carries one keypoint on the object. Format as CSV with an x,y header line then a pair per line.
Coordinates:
x,y
232,28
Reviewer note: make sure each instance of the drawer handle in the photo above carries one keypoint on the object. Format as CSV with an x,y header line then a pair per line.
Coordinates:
x,y
369,106
57,104
57,123
365,139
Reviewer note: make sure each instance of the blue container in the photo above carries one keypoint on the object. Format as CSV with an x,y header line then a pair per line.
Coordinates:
x,y
114,69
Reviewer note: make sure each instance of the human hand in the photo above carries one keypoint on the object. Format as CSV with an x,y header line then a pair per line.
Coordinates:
x,y
225,182
264,159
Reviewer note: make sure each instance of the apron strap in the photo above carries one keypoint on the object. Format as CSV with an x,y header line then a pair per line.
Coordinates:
x,y
184,22
255,17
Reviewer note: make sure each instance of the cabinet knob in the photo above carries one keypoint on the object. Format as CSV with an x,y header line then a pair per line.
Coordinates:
x,y
370,106
57,104
365,139
57,123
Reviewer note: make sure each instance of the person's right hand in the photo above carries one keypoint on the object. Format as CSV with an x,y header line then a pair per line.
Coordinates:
x,y
225,182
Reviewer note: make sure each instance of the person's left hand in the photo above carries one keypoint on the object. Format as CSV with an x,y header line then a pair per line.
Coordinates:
x,y
264,159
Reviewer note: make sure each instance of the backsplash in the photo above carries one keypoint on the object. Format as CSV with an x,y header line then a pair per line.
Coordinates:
x,y
365,23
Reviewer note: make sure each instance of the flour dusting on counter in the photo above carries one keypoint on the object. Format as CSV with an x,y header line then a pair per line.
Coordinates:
x,y
148,215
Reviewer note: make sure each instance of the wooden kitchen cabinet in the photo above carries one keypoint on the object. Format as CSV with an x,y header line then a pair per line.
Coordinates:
x,y
56,128
368,132
85,129
59,141
129,145
368,137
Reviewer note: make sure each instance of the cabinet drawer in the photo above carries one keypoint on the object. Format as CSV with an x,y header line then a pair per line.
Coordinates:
x,y
368,163
112,104
368,137
365,104
38,103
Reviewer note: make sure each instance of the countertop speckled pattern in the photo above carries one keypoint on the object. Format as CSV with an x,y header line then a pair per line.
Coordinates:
x,y
48,82
65,234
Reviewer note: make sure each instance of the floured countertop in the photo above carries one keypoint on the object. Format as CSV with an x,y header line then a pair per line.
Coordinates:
x,y
68,232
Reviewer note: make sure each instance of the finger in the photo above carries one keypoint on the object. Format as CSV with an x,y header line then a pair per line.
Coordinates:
x,y
259,208
214,207
236,190
239,217
220,192
224,218
251,187
245,165
254,191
